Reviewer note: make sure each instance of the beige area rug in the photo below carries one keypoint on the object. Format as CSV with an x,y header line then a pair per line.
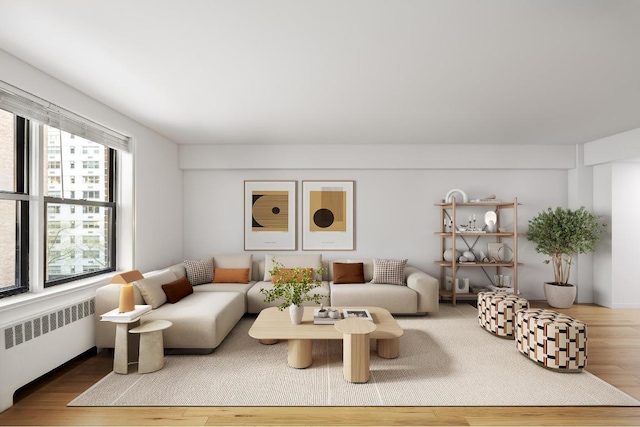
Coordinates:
x,y
446,359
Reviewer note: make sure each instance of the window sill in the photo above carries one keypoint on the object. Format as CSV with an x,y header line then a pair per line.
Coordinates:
x,y
16,301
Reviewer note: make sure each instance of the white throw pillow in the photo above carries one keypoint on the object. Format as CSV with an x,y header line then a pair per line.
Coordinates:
x,y
151,288
389,271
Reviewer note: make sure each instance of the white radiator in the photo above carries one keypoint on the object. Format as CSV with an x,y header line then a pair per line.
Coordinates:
x,y
35,346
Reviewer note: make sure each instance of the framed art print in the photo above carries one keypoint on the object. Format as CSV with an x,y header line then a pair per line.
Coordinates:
x,y
327,215
270,215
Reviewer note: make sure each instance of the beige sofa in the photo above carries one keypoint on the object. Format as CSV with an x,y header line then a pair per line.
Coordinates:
x,y
203,319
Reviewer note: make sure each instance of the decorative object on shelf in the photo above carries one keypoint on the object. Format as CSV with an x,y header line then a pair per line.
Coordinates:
x,y
448,283
469,256
327,215
448,255
502,281
270,215
126,289
505,254
490,219
560,234
449,197
462,285
494,249
489,198
292,287
484,257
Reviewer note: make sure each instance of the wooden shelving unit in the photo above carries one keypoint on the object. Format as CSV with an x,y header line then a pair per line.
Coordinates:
x,y
454,239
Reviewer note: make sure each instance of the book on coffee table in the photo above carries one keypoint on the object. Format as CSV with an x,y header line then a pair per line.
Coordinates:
x,y
359,313
317,320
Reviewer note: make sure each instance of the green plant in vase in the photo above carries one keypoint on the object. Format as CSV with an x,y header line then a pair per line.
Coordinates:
x,y
292,287
560,234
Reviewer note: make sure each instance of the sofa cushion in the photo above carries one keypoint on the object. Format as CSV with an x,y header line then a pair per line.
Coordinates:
x,y
177,289
234,261
200,320
199,272
389,271
348,272
396,299
231,275
292,261
151,288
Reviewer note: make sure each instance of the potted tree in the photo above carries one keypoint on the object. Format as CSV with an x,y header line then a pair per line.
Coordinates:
x,y
560,234
292,287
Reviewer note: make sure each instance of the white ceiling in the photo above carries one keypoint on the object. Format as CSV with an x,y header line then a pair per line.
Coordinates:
x,y
345,71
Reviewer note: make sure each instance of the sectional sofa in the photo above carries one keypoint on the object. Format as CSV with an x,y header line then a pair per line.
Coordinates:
x,y
208,312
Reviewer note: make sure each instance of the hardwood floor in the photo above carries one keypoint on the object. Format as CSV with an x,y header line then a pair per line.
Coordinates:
x,y
614,356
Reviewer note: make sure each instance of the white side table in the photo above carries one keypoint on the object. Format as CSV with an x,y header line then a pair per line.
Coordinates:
x,y
151,356
125,349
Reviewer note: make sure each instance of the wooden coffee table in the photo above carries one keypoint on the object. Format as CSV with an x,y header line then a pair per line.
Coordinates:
x,y
273,325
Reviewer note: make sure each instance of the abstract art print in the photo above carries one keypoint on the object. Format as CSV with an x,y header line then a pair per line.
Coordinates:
x,y
327,215
270,215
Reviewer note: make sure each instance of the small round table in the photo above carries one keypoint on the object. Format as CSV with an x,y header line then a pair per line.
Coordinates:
x,y
355,352
151,356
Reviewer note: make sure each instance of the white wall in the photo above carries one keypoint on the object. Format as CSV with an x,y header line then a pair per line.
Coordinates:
x,y
395,214
625,234
603,257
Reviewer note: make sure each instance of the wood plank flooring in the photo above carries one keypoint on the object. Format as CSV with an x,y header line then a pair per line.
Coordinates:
x,y
614,356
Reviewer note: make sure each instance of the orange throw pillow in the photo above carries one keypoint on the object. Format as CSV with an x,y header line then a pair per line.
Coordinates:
x,y
231,275
352,272
177,289
287,274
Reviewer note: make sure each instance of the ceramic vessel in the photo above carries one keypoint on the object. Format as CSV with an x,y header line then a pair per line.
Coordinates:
x,y
560,296
296,313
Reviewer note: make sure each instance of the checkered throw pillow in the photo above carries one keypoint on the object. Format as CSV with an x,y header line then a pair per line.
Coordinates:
x,y
199,272
389,271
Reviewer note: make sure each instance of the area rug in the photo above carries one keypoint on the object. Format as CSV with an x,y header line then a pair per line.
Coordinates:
x,y
446,359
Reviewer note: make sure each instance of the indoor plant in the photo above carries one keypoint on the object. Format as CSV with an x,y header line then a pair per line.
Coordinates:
x,y
291,287
560,234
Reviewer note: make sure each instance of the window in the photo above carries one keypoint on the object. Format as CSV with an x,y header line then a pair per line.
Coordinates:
x,y
14,204
50,203
87,164
91,195
91,179
99,224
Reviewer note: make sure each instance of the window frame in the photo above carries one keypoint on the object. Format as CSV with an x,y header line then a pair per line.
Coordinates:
x,y
112,220
20,195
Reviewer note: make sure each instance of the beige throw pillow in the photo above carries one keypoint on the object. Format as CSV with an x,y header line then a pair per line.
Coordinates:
x,y
151,288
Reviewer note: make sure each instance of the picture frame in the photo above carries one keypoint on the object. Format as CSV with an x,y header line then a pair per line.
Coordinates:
x,y
328,215
360,313
270,214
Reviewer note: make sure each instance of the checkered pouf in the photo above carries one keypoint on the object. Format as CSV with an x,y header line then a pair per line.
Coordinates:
x,y
497,312
552,339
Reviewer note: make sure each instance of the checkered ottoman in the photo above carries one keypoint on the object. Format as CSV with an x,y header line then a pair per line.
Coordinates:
x,y
554,340
497,312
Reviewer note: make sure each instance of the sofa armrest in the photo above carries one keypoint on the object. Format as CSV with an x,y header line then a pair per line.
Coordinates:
x,y
427,288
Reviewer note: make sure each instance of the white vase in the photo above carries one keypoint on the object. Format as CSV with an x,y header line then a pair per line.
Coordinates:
x,y
560,296
296,313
